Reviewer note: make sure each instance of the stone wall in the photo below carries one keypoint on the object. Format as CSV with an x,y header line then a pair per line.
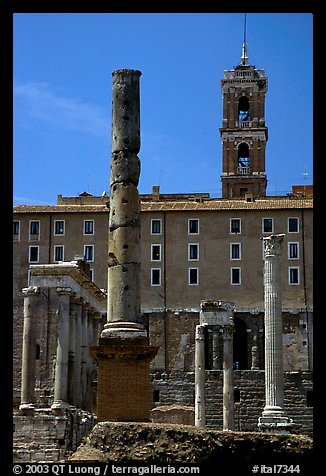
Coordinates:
x,y
177,388
45,437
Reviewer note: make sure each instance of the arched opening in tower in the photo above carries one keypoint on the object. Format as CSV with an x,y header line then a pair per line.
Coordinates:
x,y
243,158
243,109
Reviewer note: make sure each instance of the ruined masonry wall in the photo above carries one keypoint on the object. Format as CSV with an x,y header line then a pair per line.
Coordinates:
x,y
177,388
45,437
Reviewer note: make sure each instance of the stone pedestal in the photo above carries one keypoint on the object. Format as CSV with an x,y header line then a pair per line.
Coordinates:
x,y
123,388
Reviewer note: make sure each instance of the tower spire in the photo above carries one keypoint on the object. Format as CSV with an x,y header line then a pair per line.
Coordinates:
x,y
244,57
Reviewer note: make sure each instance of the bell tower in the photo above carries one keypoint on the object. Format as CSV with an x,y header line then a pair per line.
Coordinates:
x,y
243,132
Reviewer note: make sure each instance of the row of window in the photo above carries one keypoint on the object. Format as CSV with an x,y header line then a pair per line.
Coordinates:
x,y
235,276
235,226
156,227
34,253
58,228
235,251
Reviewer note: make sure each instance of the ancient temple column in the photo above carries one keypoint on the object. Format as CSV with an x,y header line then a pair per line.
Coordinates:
x,y
78,343
273,418
254,354
71,353
200,404
124,354
84,355
216,348
61,368
28,355
228,391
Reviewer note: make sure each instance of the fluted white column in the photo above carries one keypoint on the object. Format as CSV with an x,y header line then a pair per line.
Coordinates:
x,y
273,418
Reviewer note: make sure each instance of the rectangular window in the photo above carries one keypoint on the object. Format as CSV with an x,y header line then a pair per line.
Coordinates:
x,y
91,271
267,225
294,275
156,227
59,227
34,229
235,250
293,225
236,276
193,276
58,253
193,251
156,253
89,252
16,230
293,250
156,277
33,254
235,225
88,227
193,226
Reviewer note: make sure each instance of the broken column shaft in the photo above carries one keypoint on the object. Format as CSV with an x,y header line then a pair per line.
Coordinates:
x,y
124,354
124,221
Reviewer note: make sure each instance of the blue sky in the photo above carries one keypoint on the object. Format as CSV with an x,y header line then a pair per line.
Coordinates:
x,y
62,98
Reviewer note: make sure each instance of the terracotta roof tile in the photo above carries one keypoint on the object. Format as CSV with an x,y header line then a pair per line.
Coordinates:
x,y
171,206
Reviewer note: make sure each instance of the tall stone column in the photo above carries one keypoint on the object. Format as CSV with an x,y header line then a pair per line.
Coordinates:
x,y
124,354
228,387
71,353
200,397
61,367
28,354
273,418
84,356
123,316
78,350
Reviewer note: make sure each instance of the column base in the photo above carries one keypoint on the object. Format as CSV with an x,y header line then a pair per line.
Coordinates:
x,y
123,329
275,422
27,408
123,380
59,407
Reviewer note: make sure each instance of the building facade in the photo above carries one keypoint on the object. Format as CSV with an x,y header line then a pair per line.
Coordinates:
x,y
193,248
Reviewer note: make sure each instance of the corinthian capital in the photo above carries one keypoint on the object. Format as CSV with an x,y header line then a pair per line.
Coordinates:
x,y
273,245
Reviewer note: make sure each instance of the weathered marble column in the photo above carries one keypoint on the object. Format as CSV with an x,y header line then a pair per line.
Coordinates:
x,y
273,418
216,348
124,352
200,397
61,368
28,355
71,353
228,387
124,317
78,350
84,356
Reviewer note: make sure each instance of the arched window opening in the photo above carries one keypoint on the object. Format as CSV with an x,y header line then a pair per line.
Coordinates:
x,y
243,109
243,159
37,352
